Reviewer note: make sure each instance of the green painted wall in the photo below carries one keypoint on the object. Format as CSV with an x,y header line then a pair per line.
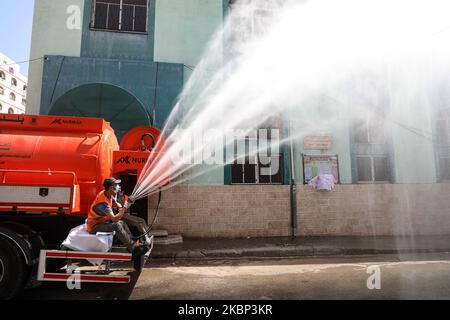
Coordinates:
x,y
183,30
62,74
413,150
54,33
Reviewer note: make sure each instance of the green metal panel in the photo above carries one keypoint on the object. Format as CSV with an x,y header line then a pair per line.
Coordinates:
x,y
101,100
155,85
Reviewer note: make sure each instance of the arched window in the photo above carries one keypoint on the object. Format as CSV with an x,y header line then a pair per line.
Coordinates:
x,y
12,96
14,82
2,75
10,111
25,87
2,91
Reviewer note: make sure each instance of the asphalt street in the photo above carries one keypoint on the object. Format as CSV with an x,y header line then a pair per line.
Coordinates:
x,y
408,276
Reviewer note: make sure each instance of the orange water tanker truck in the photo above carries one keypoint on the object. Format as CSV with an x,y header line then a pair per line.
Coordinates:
x,y
51,169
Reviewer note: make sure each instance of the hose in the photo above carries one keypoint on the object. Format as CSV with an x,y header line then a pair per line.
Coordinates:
x,y
143,141
154,218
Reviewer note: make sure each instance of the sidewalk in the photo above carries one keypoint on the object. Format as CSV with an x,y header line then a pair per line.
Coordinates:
x,y
300,247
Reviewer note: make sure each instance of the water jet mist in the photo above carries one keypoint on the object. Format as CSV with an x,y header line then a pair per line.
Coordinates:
x,y
316,64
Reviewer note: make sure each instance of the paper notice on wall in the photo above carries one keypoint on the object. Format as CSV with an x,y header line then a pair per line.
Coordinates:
x,y
320,165
318,142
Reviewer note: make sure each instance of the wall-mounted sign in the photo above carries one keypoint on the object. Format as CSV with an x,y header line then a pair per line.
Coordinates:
x,y
318,142
319,165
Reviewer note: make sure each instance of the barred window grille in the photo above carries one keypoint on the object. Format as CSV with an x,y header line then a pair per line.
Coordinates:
x,y
120,15
373,168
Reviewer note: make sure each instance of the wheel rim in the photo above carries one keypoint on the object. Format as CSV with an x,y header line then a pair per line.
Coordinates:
x,y
2,270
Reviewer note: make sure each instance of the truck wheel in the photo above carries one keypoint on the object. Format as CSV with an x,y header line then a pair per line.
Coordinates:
x,y
12,270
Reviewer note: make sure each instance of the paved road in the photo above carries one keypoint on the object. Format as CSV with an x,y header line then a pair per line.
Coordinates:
x,y
425,276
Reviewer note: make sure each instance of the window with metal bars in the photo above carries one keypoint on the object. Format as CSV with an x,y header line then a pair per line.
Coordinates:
x,y
120,15
444,168
373,169
443,127
256,168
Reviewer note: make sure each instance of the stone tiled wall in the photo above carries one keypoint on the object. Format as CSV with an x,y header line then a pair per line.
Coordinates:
x,y
259,211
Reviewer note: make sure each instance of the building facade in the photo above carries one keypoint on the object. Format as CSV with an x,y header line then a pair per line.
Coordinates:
x,y
128,60
13,87
137,49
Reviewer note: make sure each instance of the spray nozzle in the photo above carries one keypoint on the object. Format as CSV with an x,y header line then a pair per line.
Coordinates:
x,y
129,203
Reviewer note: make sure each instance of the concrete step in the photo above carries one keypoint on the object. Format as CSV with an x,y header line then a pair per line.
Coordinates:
x,y
172,239
159,233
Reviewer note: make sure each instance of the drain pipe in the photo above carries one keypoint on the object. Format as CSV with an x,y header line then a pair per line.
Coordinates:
x,y
293,189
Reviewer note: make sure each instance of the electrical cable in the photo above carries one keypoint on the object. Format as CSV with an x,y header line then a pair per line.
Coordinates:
x,y
21,62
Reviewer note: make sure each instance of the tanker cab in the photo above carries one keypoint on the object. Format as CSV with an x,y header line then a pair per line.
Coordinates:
x,y
23,191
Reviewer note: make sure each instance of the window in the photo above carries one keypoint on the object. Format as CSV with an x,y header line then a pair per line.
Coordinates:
x,y
12,96
14,82
443,127
444,168
256,168
120,15
249,173
24,102
10,111
2,75
25,88
1,108
372,168
2,91
11,70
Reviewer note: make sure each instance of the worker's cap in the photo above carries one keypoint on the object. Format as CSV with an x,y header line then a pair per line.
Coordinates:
x,y
110,182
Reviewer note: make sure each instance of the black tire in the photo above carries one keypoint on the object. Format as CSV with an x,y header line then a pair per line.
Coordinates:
x,y
13,270
138,262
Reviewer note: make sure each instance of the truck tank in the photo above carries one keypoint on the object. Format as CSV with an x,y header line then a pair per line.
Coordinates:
x,y
59,164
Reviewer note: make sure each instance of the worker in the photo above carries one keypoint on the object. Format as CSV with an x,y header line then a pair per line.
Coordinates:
x,y
102,218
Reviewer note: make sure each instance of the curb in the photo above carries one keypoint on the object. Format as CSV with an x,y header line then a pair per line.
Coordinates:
x,y
285,252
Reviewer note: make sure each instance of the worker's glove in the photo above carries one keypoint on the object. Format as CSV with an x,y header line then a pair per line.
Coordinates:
x,y
127,205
